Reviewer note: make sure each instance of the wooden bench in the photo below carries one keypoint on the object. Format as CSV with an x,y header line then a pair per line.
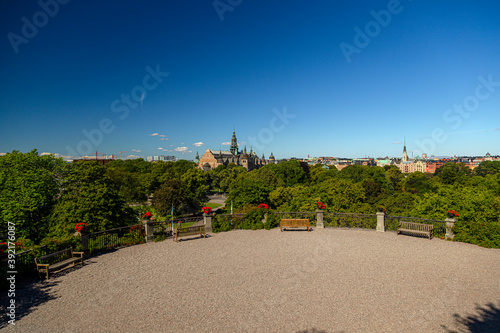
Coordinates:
x,y
54,261
294,223
189,231
415,228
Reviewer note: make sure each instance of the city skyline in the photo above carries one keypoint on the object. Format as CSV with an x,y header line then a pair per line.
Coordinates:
x,y
329,79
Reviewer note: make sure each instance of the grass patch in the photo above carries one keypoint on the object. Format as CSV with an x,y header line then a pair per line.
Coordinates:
x,y
212,205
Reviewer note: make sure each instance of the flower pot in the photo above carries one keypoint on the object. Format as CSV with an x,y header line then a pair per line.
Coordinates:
x,y
451,215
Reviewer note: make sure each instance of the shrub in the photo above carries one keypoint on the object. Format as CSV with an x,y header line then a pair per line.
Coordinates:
x,y
271,222
221,223
482,233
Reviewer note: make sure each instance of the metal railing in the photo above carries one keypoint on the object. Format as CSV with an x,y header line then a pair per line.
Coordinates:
x,y
392,222
350,220
119,237
163,229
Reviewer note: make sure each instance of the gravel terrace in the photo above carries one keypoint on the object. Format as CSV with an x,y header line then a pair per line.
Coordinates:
x,y
326,280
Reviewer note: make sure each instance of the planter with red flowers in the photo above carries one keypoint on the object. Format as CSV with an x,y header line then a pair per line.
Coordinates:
x,y
321,205
263,205
148,216
452,214
81,227
207,210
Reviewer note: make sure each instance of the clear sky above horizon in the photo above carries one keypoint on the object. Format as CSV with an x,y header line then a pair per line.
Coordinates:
x,y
329,78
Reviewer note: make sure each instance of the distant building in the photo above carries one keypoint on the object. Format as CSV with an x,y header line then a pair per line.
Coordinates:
x,y
211,159
160,158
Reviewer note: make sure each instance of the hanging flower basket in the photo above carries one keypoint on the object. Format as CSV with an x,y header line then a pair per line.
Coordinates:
x,y
321,205
207,210
263,205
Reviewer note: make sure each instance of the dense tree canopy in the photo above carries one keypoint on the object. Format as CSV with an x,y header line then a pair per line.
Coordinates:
x,y
44,195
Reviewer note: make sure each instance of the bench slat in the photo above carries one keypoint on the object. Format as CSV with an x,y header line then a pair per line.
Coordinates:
x,y
415,228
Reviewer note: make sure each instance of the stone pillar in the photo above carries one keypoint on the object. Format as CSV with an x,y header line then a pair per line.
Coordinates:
x,y
450,223
264,219
207,218
150,229
84,240
381,221
319,218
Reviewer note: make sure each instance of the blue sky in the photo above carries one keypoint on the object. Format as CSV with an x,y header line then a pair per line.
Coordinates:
x,y
330,78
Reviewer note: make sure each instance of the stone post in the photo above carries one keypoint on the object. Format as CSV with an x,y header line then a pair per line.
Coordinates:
x,y
150,229
381,221
207,218
264,219
319,218
84,240
450,223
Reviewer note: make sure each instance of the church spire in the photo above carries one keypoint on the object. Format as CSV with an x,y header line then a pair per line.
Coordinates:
x,y
234,144
405,154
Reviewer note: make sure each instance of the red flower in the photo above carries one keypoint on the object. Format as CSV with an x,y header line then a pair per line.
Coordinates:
x,y
207,210
81,226
452,212
263,205
321,205
148,215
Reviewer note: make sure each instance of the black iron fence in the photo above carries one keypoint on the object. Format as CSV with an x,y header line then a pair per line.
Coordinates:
x,y
163,229
392,222
350,220
119,237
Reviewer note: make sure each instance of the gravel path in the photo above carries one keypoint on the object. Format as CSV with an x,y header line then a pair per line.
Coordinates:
x,y
327,280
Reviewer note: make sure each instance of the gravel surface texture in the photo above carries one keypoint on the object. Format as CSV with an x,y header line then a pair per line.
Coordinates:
x,y
326,280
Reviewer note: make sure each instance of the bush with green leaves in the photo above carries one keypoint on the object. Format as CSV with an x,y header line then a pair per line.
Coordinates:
x,y
482,233
221,223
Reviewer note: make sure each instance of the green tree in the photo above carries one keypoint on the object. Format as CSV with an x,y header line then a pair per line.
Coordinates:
x,y
88,196
129,185
452,173
248,191
29,186
174,193
487,168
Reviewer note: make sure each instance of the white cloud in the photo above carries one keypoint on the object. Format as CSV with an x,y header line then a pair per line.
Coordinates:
x,y
64,157
163,149
136,150
181,149
198,144
161,136
396,143
226,143
1,154
132,157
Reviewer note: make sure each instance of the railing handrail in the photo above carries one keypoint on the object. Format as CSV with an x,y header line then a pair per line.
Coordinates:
x,y
116,229
413,218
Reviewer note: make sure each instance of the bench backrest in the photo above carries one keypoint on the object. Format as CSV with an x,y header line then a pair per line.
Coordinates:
x,y
416,226
191,229
55,257
293,222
